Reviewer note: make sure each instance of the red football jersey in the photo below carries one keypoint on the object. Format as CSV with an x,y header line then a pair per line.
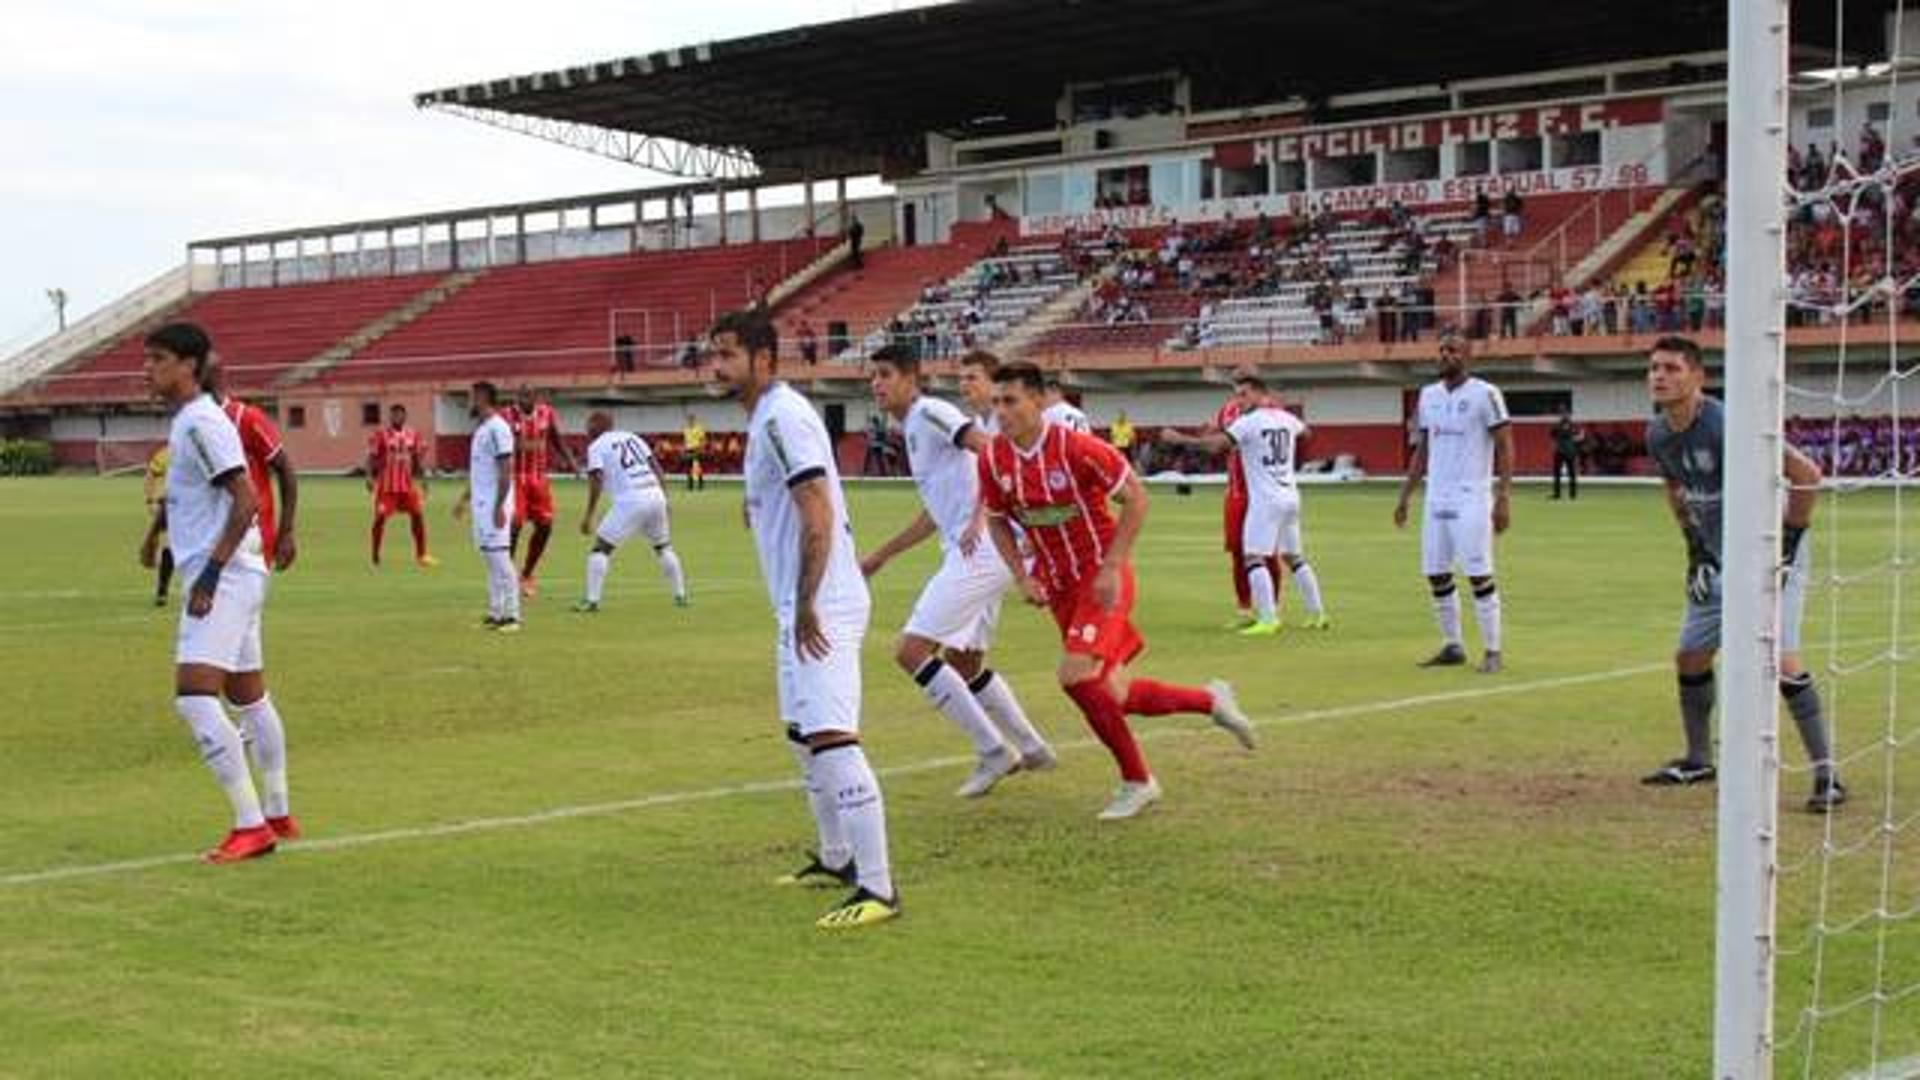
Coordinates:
x,y
1060,492
260,441
1236,483
532,437
394,453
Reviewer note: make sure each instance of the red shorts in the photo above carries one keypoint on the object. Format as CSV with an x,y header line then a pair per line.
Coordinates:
x,y
533,502
389,503
1088,630
1236,517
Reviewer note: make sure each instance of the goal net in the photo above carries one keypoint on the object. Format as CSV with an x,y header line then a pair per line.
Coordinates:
x,y
1818,916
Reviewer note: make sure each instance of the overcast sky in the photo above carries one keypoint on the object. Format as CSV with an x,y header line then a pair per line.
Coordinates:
x,y
133,126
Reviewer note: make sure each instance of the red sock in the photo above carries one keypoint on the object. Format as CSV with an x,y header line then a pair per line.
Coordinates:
x,y
1145,697
379,530
1109,724
419,536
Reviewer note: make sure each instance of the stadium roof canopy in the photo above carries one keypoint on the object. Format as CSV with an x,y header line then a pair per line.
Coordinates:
x,y
857,96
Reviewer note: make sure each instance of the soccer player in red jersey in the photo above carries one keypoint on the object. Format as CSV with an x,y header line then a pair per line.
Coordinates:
x,y
1057,484
268,465
398,482
536,432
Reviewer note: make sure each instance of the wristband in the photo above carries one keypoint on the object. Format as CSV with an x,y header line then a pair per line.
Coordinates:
x,y
209,579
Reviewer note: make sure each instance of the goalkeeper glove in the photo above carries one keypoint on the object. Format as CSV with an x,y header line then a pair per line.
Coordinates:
x,y
1703,568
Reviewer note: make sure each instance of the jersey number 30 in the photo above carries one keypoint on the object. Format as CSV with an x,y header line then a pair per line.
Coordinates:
x,y
1279,448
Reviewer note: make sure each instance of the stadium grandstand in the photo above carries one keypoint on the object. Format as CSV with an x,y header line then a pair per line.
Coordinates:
x,y
1133,199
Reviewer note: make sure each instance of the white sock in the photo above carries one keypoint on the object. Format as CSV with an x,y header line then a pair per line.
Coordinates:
x,y
1004,710
494,601
843,771
220,748
948,692
1260,584
671,570
267,746
1486,612
1309,587
506,584
597,563
834,849
1446,612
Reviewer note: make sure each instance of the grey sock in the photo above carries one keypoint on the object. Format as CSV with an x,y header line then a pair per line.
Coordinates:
x,y
1803,701
1696,716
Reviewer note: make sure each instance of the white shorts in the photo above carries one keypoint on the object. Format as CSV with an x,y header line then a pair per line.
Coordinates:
x,y
227,637
485,536
822,695
1272,528
645,514
1457,534
960,604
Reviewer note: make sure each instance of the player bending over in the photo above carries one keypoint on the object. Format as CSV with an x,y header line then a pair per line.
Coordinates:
x,y
798,517
1463,440
621,464
397,480
1057,483
1265,438
210,513
944,644
1687,439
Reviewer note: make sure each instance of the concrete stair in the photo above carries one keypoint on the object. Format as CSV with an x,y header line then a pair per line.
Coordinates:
x,y
424,301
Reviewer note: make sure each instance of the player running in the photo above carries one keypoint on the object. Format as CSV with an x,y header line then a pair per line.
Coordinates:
x,y
209,516
490,491
798,517
621,464
398,482
1464,441
268,465
154,487
1687,440
536,433
1265,438
1061,411
1056,484
944,644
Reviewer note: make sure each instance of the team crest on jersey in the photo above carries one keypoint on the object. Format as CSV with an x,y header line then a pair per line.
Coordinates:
x,y
1461,405
1089,632
1057,480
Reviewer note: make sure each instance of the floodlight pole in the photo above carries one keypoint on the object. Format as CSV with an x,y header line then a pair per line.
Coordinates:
x,y
1754,365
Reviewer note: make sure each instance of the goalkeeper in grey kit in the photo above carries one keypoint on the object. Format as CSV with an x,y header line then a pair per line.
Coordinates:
x,y
1687,439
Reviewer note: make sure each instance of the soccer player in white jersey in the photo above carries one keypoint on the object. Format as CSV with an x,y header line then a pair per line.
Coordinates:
x,y
1061,411
490,493
959,607
798,517
210,507
622,465
1267,438
1464,449
976,389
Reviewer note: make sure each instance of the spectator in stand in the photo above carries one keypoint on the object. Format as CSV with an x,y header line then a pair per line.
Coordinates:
x,y
1567,441
1511,215
1386,317
856,236
1616,304
1481,326
1588,314
809,344
1560,302
1509,301
1873,148
1482,217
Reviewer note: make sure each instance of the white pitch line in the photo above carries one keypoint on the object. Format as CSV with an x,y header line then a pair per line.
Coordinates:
x,y
760,787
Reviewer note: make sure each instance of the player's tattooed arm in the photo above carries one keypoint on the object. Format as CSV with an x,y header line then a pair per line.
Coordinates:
x,y
916,531
1503,477
284,550
815,509
1416,472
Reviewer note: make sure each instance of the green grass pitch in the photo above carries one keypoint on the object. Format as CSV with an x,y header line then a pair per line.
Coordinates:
x,y
1418,874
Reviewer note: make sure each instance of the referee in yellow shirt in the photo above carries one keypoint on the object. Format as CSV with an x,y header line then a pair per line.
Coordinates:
x,y
1120,434
154,486
694,438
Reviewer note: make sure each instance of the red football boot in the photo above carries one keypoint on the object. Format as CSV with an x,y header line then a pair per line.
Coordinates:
x,y
284,828
243,844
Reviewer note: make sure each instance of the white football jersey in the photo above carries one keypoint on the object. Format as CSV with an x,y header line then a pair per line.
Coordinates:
x,y
492,440
1068,415
944,470
988,422
1268,439
1458,427
204,446
625,464
788,445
